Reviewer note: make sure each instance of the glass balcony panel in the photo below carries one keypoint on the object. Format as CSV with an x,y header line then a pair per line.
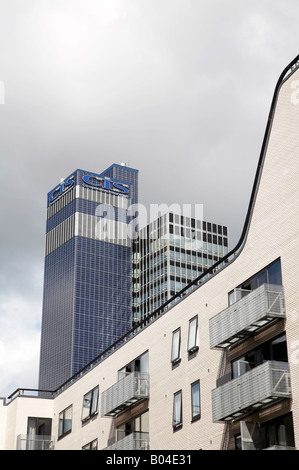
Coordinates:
x,y
28,442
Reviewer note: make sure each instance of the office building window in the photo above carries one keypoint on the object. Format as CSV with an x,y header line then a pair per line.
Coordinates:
x,y
192,336
65,422
177,410
93,445
176,346
90,404
195,400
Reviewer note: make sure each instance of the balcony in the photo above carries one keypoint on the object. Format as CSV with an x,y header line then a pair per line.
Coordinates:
x,y
134,441
28,442
261,386
128,391
256,310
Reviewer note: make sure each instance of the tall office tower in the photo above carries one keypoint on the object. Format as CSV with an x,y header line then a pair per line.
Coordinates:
x,y
87,302
172,251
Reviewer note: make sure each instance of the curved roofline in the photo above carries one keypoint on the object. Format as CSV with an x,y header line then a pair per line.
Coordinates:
x,y
285,74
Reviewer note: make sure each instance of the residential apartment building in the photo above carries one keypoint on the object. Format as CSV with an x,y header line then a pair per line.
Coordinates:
x,y
218,369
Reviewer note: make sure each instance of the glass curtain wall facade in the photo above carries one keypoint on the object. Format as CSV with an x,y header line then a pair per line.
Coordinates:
x,y
87,302
171,252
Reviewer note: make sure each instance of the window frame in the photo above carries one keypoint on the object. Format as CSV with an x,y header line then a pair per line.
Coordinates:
x,y
92,445
177,422
195,416
93,404
258,356
62,431
271,272
176,349
194,347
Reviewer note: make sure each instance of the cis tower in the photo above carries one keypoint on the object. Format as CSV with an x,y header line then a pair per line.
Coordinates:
x,y
87,300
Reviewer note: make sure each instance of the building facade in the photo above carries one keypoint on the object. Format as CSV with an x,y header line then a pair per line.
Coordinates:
x,y
173,250
218,370
88,270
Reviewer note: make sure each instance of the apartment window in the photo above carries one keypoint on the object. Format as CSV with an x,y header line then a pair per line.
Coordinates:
x,y
267,435
139,424
195,400
39,434
272,350
269,275
93,445
90,404
278,432
176,346
192,336
177,410
140,364
65,422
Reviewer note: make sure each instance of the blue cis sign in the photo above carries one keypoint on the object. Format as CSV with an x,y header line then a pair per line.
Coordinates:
x,y
61,188
94,181
105,183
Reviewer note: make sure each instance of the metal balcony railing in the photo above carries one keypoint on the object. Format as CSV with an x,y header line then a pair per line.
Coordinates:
x,y
259,308
249,392
133,441
27,442
126,392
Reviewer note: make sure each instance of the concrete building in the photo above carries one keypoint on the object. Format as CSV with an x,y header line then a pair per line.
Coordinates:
x,y
220,368
173,250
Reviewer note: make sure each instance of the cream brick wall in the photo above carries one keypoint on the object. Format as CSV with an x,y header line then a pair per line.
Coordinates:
x,y
16,415
273,233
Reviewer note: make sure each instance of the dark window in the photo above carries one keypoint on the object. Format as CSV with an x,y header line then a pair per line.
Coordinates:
x,y
269,275
274,273
90,404
176,346
278,432
65,422
93,445
192,335
177,420
195,400
273,350
39,434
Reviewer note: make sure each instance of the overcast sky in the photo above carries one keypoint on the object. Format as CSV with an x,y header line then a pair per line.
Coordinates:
x,y
179,89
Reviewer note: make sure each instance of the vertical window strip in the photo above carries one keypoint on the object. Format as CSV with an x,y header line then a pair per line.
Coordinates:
x,y
177,420
195,400
193,335
176,346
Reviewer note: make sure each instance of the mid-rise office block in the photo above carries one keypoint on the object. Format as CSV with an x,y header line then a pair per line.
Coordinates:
x,y
217,370
172,251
